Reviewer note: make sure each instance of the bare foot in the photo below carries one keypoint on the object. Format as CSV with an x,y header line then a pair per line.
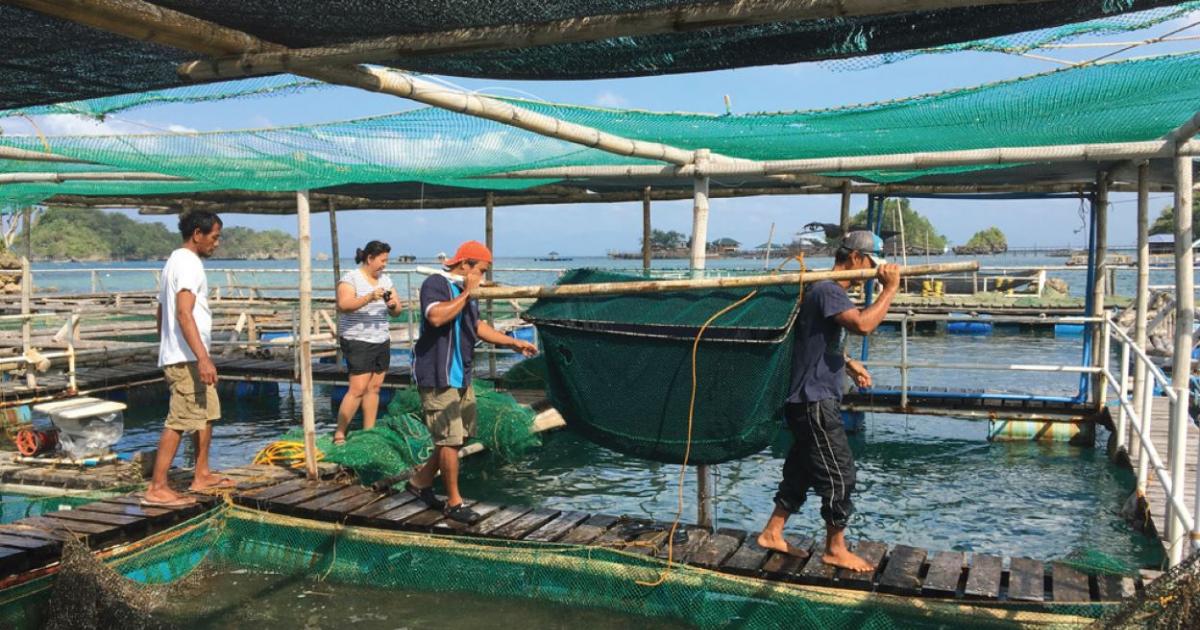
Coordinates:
x,y
210,482
780,544
165,497
845,559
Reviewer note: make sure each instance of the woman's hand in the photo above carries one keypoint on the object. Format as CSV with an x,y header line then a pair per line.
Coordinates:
x,y
377,294
393,303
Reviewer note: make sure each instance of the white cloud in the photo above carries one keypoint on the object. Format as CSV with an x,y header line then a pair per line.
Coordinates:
x,y
611,99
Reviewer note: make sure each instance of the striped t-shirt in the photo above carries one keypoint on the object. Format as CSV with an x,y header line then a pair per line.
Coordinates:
x,y
369,323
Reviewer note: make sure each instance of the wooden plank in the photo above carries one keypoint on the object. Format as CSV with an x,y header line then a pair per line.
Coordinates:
x,y
945,573
983,579
903,572
342,508
783,566
1115,587
102,518
14,561
748,558
816,571
425,520
369,512
304,495
558,527
36,532
317,505
483,509
696,539
622,532
873,553
394,517
501,518
519,528
1069,585
149,514
715,550
650,542
260,497
31,544
590,530
1026,580
89,532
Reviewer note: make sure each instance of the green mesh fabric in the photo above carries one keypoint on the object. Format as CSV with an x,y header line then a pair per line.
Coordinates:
x,y
400,440
136,588
1117,102
619,368
528,374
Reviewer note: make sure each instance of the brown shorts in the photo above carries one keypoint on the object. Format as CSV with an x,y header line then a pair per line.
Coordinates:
x,y
193,404
449,414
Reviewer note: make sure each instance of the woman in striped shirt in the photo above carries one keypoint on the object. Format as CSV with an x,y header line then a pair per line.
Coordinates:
x,y
365,299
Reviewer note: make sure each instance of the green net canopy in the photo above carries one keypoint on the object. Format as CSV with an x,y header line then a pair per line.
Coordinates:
x,y
619,368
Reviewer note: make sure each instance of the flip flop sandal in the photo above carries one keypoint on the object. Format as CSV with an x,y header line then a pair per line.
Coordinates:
x,y
180,502
426,496
462,514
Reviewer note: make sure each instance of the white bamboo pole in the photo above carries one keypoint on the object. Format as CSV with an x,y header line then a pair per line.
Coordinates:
x,y
1147,415
902,161
1100,333
844,217
12,153
662,286
1182,359
699,215
654,21
646,229
1142,296
304,326
27,322
489,237
59,178
1122,417
336,254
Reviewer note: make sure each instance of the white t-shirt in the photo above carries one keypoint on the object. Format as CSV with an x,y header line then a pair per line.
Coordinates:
x,y
369,323
184,271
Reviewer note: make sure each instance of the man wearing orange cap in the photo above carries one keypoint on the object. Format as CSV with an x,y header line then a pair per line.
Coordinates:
x,y
450,326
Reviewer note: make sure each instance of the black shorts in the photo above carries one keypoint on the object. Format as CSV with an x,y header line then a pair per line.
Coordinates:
x,y
364,357
820,460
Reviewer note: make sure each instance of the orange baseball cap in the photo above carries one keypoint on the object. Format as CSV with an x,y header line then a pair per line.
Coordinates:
x,y
470,250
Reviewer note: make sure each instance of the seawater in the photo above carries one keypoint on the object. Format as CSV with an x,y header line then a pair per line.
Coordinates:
x,y
923,481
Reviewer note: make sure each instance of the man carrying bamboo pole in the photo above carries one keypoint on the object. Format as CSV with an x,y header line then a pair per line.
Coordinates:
x,y
185,333
820,458
442,360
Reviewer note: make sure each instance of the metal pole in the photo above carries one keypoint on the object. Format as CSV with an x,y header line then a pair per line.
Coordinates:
x,y
412,342
1181,367
490,240
704,477
335,253
646,230
305,325
1098,284
1142,297
1147,412
904,361
1122,417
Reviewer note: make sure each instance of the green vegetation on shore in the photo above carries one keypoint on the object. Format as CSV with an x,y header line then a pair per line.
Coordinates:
x,y
1165,223
91,235
919,233
989,241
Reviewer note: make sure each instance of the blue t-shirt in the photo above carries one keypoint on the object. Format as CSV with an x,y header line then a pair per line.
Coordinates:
x,y
818,358
443,354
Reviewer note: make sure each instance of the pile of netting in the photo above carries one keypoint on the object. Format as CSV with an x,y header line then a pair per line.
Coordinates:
x,y
400,441
619,368
1171,602
182,578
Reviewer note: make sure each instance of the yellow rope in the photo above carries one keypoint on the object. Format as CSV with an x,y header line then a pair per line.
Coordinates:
x,y
284,452
687,451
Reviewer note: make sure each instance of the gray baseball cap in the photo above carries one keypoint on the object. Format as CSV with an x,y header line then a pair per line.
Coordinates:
x,y
866,243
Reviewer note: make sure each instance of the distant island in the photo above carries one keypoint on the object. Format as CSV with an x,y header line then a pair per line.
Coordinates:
x,y
88,235
984,242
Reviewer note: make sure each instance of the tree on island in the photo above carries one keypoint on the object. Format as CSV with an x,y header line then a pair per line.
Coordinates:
x,y
919,233
661,240
989,241
1165,223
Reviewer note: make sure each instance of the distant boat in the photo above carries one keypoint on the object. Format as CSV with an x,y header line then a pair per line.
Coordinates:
x,y
406,258
552,257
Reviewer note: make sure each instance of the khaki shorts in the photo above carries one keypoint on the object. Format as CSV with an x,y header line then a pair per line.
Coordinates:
x,y
449,414
193,404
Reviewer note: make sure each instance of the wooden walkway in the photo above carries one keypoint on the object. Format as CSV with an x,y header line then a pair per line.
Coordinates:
x,y
1156,499
963,403
15,393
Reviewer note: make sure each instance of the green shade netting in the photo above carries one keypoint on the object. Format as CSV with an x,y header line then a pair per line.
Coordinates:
x,y
620,367
167,584
400,440
1118,102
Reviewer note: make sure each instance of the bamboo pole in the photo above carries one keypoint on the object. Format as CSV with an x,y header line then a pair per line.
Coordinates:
x,y
1142,298
672,19
844,217
25,155
489,237
1182,360
898,161
304,327
646,229
700,213
335,252
1099,336
59,178
27,323
664,286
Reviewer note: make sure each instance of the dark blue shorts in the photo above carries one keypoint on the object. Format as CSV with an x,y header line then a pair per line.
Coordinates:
x,y
364,357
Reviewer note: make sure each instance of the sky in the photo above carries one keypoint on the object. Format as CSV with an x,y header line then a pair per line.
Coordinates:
x,y
593,229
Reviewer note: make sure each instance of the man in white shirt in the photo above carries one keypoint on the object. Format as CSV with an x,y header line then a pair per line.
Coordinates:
x,y
185,333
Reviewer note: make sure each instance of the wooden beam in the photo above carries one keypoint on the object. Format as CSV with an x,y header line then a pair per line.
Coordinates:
x,y
12,153
307,413
656,21
646,229
59,178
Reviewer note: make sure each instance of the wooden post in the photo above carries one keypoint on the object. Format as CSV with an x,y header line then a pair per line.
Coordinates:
x,y
704,477
335,253
1181,366
27,323
699,214
490,240
1098,285
27,226
844,220
646,229
304,236
1142,299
